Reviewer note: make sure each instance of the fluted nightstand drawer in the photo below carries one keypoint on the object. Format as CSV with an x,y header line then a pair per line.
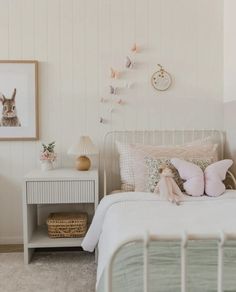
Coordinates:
x,y
50,192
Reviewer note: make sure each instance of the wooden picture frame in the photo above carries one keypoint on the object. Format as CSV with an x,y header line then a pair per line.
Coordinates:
x,y
19,100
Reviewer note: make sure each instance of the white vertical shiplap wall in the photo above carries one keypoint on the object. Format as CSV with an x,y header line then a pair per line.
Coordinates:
x,y
229,78
76,42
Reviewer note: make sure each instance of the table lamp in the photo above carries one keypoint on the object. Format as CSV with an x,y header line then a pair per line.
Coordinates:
x,y
81,150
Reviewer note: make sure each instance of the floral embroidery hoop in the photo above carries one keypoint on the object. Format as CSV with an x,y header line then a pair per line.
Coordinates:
x,y
161,80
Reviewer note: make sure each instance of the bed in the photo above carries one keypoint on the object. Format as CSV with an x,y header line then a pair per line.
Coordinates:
x,y
147,244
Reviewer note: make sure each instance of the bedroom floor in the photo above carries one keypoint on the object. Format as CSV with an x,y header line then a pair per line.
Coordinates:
x,y
48,272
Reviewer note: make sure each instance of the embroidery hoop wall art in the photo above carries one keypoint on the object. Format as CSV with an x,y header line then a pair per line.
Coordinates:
x,y
161,80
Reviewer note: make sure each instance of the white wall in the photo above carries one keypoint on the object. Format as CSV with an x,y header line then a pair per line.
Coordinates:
x,y
229,50
230,77
76,42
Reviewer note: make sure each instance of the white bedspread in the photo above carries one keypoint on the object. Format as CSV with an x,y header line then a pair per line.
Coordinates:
x,y
122,215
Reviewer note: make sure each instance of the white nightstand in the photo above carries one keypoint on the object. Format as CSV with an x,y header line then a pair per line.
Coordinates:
x,y
59,186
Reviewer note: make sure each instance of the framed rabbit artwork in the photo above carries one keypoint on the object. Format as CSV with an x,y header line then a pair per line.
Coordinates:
x,y
18,100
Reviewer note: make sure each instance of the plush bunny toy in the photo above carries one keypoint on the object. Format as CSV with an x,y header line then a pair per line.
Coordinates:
x,y
167,187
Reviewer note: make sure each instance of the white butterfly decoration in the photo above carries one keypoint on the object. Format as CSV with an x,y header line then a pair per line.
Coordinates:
x,y
129,63
113,90
128,84
103,100
112,109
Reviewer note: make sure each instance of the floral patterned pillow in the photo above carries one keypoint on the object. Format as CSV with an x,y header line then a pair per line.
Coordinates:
x,y
153,165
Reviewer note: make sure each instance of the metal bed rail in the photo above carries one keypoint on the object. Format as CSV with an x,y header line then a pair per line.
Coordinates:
x,y
221,237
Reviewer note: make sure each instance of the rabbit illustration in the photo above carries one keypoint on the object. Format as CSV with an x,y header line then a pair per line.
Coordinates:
x,y
9,114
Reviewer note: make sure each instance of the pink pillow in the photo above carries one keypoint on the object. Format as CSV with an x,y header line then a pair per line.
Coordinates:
x,y
197,181
140,152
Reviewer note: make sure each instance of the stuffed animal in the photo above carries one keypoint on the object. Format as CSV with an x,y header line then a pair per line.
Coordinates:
x,y
167,187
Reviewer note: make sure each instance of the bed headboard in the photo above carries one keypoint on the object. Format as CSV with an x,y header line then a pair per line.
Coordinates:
x,y
156,137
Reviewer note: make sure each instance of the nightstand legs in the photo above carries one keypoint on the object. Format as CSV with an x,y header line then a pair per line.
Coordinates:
x,y
96,255
30,224
28,254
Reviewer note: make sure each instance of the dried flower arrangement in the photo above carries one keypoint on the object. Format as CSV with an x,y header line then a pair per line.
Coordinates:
x,y
48,153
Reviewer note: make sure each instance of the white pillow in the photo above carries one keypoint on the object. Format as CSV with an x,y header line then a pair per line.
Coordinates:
x,y
126,166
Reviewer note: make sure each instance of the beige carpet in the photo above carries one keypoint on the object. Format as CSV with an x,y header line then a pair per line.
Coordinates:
x,y
48,272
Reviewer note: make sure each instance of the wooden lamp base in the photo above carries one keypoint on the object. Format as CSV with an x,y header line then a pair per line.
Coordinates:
x,y
82,163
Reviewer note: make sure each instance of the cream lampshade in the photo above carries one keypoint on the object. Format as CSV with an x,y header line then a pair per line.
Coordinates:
x,y
81,150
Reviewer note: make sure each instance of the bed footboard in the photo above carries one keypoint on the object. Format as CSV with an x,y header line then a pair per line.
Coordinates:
x,y
221,238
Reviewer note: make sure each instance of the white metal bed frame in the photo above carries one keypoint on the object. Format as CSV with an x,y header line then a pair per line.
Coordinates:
x,y
111,180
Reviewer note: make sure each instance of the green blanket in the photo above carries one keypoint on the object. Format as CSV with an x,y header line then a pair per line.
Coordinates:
x,y
164,268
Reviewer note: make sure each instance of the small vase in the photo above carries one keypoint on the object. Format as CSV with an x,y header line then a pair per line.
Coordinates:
x,y
46,165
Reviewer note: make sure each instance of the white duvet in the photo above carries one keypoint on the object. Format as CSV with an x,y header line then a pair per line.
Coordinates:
x,y
122,215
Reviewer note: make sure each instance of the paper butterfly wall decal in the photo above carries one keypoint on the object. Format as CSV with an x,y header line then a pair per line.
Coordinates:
x,y
128,84
197,182
101,121
113,90
129,63
135,48
114,74
103,100
111,110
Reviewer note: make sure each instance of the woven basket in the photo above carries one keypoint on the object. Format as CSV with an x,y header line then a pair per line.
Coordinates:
x,y
61,225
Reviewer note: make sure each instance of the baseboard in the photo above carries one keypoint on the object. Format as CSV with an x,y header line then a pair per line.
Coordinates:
x,y
9,248
11,240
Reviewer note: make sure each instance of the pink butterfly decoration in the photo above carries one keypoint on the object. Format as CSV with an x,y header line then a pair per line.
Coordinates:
x,y
198,182
114,74
135,48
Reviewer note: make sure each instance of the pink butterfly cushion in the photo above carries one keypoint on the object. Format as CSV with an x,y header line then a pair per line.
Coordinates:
x,y
193,176
197,181
214,175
